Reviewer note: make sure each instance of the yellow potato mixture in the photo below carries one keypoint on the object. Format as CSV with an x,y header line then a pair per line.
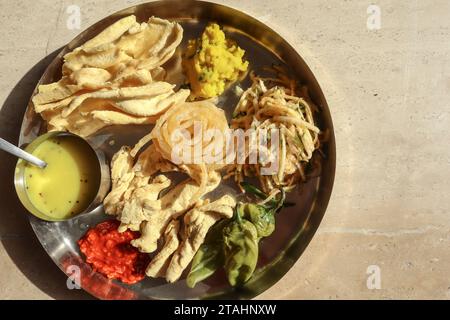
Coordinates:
x,y
213,62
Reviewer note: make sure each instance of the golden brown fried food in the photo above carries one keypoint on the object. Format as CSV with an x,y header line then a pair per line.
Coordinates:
x,y
157,214
158,266
121,177
135,200
197,223
115,78
141,202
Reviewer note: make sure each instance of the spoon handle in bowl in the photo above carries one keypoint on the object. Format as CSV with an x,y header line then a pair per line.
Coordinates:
x,y
16,151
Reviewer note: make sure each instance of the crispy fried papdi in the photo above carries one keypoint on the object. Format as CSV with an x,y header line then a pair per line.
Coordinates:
x,y
115,78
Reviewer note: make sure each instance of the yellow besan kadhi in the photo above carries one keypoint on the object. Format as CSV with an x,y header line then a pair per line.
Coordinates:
x,y
213,62
70,181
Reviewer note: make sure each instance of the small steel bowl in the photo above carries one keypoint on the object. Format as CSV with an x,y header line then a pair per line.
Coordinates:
x,y
19,178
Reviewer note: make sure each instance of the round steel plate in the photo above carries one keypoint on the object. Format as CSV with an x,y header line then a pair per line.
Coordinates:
x,y
295,225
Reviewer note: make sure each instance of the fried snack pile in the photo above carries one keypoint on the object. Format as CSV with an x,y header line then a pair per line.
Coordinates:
x,y
143,199
197,223
114,78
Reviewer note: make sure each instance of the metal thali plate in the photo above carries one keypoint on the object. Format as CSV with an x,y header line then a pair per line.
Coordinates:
x,y
295,225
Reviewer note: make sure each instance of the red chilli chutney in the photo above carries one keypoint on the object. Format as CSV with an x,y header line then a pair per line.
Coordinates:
x,y
110,253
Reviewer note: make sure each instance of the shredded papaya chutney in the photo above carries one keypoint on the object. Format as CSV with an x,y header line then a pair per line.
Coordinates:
x,y
110,253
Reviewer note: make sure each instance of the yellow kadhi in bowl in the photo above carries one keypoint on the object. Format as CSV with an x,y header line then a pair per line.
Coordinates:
x,y
75,180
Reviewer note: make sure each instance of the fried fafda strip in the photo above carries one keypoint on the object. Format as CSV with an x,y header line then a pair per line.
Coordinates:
x,y
126,178
121,177
134,210
157,214
158,266
197,223
150,162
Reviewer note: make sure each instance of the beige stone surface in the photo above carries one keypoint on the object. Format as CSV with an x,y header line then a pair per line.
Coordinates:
x,y
389,94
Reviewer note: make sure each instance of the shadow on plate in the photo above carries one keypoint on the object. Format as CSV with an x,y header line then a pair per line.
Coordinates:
x,y
16,234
